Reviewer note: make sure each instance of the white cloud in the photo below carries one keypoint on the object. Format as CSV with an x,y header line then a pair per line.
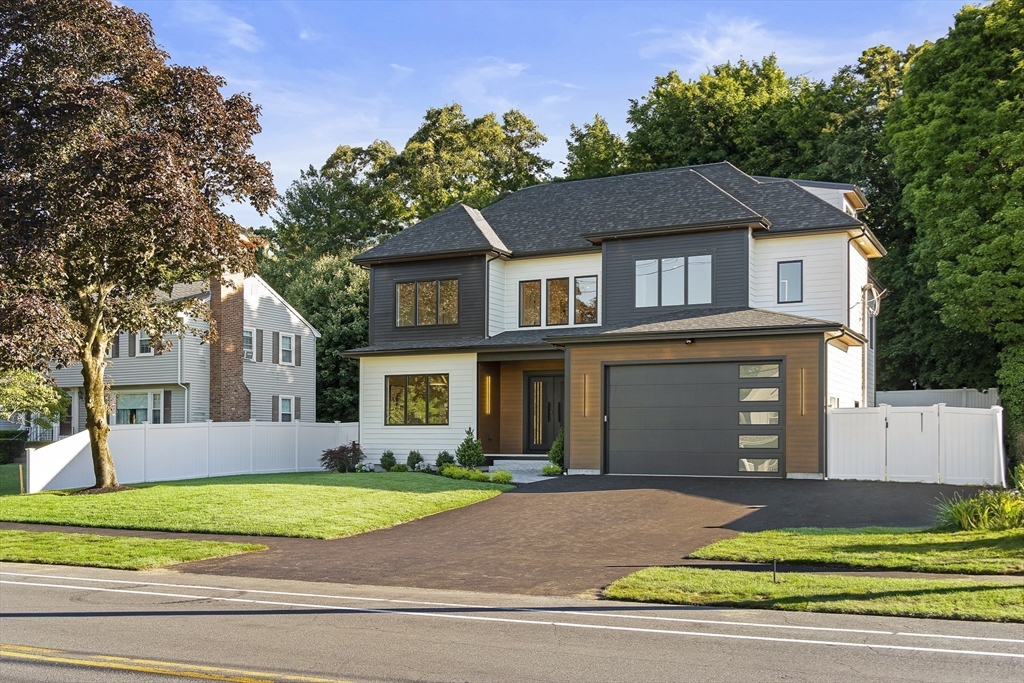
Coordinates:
x,y
401,69
476,85
719,39
216,21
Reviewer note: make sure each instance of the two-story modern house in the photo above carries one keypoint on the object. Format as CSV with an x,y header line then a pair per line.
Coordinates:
x,y
261,367
690,321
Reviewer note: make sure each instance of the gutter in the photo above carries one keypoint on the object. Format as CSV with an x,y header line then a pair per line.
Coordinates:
x,y
704,334
753,222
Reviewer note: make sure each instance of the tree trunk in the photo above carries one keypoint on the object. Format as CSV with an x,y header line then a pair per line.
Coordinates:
x,y
93,362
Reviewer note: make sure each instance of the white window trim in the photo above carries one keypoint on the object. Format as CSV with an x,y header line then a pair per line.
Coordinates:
x,y
156,405
138,344
291,413
281,350
249,355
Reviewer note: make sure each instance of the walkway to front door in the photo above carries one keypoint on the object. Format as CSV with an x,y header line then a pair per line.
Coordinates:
x,y
544,402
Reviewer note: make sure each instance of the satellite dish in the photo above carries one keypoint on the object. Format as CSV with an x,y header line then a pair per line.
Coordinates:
x,y
873,299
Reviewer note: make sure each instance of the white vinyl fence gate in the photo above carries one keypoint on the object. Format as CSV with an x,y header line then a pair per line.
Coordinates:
x,y
934,444
191,450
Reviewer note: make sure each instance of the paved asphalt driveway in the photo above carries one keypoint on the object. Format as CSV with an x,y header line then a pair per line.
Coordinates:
x,y
574,535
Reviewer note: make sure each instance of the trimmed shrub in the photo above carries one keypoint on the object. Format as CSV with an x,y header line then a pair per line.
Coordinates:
x,y
344,458
557,453
551,470
365,467
985,511
454,472
470,452
444,458
387,460
477,475
501,477
399,467
414,460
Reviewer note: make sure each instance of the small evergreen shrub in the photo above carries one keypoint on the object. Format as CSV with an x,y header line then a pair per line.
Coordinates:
x,y
470,452
399,467
444,458
551,470
387,460
501,477
477,475
344,458
557,453
414,460
454,472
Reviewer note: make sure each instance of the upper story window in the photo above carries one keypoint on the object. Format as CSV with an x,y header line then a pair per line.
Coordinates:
x,y
427,303
287,349
143,347
529,303
791,282
586,300
676,281
550,301
249,343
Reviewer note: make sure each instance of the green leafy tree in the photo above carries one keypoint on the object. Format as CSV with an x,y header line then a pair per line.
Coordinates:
x,y
29,393
593,151
958,146
114,168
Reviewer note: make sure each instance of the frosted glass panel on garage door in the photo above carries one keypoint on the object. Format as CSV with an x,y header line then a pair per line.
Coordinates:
x,y
913,444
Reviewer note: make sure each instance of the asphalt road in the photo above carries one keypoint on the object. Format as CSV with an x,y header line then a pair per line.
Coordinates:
x,y
61,623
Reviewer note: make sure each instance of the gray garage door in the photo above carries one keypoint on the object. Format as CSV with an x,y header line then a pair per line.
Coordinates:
x,y
704,419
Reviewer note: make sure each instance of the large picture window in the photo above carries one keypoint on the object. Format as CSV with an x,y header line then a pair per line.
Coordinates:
x,y
675,281
416,400
427,303
791,282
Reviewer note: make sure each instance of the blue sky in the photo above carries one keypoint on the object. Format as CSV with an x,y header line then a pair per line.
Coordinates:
x,y
331,73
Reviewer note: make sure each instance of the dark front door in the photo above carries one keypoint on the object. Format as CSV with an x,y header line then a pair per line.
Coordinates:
x,y
544,403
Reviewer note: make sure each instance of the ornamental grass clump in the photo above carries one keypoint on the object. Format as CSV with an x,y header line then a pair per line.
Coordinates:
x,y
990,510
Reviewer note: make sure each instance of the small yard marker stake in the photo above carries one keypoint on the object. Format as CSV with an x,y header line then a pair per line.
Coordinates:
x,y
21,478
775,568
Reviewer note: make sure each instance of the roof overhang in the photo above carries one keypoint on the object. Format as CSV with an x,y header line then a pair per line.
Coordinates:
x,y
421,351
363,260
860,234
598,237
845,334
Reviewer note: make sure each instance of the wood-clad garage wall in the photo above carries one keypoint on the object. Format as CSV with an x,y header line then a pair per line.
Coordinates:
x,y
488,389
512,399
804,406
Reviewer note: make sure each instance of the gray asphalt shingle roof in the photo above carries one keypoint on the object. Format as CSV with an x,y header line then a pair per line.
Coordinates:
x,y
553,217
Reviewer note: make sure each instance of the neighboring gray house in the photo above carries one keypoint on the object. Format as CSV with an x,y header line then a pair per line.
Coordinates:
x,y
262,366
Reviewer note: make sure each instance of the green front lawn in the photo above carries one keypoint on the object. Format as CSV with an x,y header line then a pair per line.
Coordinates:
x,y
9,485
116,552
310,505
942,598
958,552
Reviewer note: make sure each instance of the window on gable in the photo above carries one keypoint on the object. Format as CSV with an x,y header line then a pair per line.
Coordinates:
x,y
791,282
287,349
586,300
529,303
416,400
674,281
558,301
427,303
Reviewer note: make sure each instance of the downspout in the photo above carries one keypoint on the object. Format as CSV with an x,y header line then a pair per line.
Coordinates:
x,y
181,348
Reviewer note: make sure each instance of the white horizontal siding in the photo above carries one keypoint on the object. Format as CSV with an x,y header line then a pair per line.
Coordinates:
x,y
858,279
824,258
376,437
496,297
264,311
519,270
845,376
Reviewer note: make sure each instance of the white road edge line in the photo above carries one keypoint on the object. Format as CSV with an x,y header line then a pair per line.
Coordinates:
x,y
538,610
936,635
467,617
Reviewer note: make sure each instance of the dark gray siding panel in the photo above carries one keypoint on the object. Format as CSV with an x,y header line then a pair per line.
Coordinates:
x,y
469,270
729,269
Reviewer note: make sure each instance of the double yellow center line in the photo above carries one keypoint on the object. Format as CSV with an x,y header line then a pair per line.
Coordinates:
x,y
151,666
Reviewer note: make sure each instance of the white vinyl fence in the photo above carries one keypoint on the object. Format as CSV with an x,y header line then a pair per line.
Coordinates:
x,y
934,444
192,450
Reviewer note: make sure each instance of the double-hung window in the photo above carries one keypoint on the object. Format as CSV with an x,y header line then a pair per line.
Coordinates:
x,y
156,412
143,347
673,281
416,400
249,343
427,303
791,282
286,408
287,349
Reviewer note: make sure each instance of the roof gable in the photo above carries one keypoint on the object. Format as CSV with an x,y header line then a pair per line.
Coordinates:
x,y
459,228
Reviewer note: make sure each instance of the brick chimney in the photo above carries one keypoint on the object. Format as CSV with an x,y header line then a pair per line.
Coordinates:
x,y
229,397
